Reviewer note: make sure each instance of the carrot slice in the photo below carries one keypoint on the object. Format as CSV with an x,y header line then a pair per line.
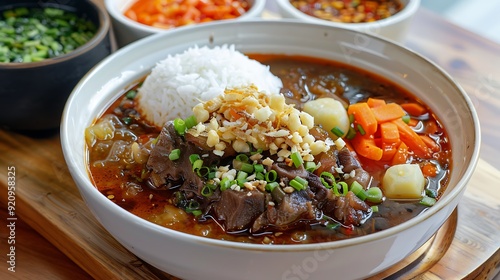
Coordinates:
x,y
429,169
389,150
401,155
365,146
388,112
414,109
431,144
375,102
389,133
413,122
412,139
364,116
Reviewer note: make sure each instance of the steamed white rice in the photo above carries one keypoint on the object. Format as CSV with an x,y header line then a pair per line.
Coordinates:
x,y
181,81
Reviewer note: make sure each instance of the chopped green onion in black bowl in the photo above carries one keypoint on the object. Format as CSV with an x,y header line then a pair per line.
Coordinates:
x,y
35,34
46,47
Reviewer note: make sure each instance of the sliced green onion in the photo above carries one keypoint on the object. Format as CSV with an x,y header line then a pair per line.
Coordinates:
x,y
406,119
358,190
211,175
297,159
310,166
197,164
270,186
180,126
374,194
202,171
327,175
127,120
131,94
247,167
298,183
361,130
260,176
351,118
242,158
241,175
225,184
302,181
271,176
207,190
196,212
190,122
174,154
374,208
258,168
333,226
427,201
337,131
351,133
193,158
345,188
335,188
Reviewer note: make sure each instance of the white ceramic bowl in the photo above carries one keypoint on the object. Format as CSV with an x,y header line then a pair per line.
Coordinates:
x,y
192,257
393,27
127,30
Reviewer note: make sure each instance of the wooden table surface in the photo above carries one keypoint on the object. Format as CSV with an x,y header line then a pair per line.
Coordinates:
x,y
44,254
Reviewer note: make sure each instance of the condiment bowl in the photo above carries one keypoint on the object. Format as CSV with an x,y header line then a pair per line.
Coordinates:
x,y
35,92
127,30
393,27
191,257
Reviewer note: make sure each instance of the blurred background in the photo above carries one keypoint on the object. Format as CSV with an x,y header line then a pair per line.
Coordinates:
x,y
480,16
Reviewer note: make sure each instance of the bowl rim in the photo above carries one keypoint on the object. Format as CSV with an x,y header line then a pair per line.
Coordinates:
x,y
254,11
408,10
99,36
81,176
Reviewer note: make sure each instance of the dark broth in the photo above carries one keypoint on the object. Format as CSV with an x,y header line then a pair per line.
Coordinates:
x,y
304,78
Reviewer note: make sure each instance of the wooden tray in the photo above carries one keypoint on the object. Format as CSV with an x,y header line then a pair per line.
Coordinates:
x,y
467,246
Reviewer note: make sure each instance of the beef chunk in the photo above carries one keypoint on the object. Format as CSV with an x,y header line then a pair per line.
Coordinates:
x,y
237,210
348,210
347,160
168,174
294,207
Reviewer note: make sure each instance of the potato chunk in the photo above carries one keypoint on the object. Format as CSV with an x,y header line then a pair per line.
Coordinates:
x,y
328,113
403,181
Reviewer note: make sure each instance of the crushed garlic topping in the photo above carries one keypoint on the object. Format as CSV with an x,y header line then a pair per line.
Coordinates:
x,y
243,116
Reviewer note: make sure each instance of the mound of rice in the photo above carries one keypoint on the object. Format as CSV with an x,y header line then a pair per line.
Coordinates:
x,y
181,81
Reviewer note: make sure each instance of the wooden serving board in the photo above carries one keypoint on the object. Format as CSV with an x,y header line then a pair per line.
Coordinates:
x,y
467,246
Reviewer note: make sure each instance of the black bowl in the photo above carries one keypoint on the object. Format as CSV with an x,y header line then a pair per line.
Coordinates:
x,y
33,94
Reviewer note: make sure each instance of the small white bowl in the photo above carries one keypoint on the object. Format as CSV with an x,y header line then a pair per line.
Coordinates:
x,y
193,257
393,27
127,30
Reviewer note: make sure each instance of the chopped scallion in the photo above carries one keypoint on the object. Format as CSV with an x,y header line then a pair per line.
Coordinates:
x,y
361,130
190,121
297,159
310,166
374,194
193,158
271,176
258,168
337,131
406,119
131,94
174,154
197,164
427,201
180,126
270,186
